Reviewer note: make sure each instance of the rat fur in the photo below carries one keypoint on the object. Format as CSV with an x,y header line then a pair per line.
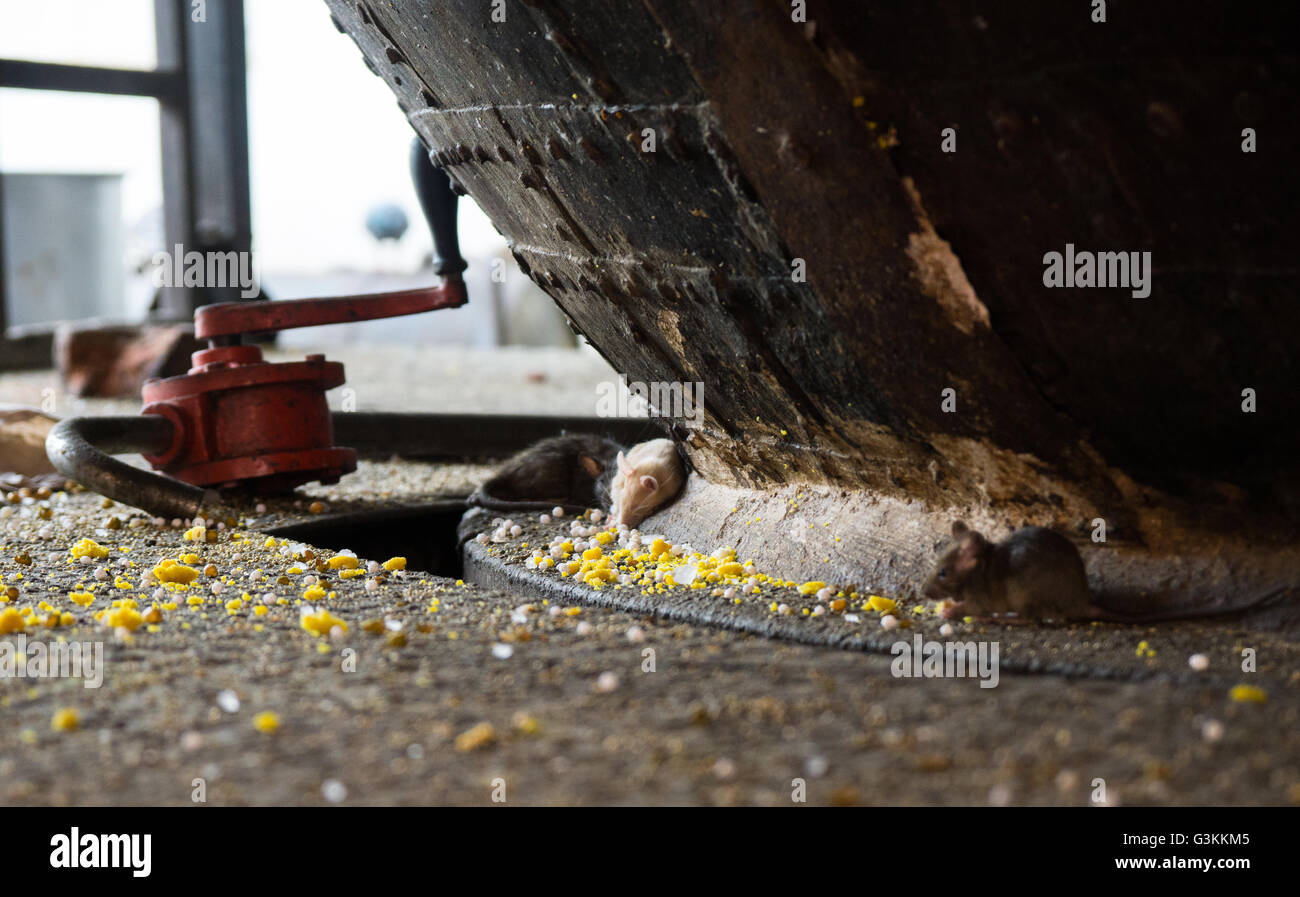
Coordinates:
x,y
1036,574
579,470
572,471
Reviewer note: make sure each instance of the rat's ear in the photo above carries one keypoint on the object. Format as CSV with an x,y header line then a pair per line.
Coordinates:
x,y
649,483
623,467
959,529
970,552
589,464
968,556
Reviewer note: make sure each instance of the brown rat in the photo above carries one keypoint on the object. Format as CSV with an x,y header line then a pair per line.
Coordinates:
x,y
1034,573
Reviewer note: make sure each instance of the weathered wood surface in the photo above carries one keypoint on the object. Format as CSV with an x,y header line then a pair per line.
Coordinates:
x,y
779,141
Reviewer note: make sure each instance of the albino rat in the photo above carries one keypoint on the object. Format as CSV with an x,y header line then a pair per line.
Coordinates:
x,y
651,474
1035,573
579,471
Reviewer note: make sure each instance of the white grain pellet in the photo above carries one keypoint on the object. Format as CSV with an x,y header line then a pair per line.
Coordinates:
x,y
334,791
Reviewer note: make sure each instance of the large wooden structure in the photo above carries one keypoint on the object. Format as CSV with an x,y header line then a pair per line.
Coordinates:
x,y
785,146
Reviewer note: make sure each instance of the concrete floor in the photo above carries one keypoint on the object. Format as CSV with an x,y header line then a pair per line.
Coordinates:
x,y
574,715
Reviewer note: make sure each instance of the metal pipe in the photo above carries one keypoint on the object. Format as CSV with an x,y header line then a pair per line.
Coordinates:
x,y
81,448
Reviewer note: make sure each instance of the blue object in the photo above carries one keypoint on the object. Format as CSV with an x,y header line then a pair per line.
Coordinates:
x,y
386,222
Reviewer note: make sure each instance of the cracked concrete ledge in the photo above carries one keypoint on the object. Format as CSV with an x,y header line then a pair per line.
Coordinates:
x,y
888,546
1107,651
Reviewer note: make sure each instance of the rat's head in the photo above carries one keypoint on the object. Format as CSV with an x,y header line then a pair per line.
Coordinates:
x,y
961,561
648,476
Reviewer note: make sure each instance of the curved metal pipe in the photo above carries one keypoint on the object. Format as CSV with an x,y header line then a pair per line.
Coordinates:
x,y
81,449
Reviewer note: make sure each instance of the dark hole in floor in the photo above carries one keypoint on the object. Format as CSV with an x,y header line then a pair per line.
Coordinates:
x,y
425,536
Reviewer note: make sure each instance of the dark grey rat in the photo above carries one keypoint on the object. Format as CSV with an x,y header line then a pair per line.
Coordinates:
x,y
573,471
1036,574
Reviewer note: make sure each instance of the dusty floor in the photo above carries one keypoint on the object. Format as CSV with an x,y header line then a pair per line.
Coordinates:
x,y
576,715
723,718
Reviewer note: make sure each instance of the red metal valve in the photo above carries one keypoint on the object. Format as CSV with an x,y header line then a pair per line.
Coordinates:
x,y
241,420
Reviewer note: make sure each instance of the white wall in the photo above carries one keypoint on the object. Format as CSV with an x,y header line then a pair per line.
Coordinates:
x,y
327,141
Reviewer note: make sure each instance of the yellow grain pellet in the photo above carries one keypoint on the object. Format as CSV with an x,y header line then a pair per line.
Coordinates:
x,y
476,737
65,719
267,722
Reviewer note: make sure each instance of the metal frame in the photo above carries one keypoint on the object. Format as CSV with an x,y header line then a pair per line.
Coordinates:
x,y
202,94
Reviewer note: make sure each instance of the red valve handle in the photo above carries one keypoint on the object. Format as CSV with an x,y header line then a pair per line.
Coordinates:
x,y
227,319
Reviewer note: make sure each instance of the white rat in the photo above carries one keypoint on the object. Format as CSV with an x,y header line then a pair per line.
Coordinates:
x,y
649,475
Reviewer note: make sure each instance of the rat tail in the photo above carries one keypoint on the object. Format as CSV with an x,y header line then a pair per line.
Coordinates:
x,y
1109,614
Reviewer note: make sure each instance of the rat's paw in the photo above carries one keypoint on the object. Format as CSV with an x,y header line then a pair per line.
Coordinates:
x,y
952,610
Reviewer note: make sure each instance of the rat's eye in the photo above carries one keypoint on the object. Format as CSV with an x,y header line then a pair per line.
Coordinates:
x,y
943,573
